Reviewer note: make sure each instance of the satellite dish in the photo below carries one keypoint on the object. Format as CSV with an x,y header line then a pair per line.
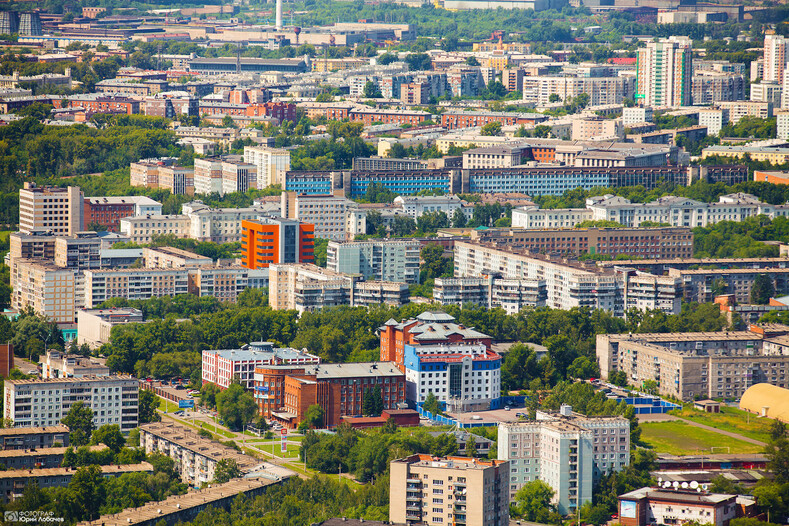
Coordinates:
x,y
660,481
675,484
698,490
694,485
684,485
705,487
667,484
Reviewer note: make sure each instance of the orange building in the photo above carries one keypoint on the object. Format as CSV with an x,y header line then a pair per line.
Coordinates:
x,y
6,359
268,240
429,328
285,392
771,177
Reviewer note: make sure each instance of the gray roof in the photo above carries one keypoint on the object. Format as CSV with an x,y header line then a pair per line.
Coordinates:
x,y
345,370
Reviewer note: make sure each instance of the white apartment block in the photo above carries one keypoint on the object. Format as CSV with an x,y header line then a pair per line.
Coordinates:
x,y
714,119
601,90
378,260
568,284
676,211
415,206
328,213
774,57
512,295
220,225
449,491
782,119
596,129
50,290
636,115
142,229
741,108
568,451
133,284
238,177
178,179
37,403
208,176
504,156
767,92
51,208
271,164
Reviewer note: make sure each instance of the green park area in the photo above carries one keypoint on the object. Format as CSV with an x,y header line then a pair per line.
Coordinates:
x,y
679,438
730,419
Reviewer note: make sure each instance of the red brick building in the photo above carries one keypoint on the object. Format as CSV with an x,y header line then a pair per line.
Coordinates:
x,y
100,104
429,328
378,116
466,119
284,393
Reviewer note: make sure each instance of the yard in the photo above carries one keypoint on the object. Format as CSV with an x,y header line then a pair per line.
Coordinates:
x,y
679,438
730,419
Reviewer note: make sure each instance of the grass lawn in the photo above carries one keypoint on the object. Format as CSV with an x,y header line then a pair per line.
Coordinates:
x,y
730,419
292,452
679,438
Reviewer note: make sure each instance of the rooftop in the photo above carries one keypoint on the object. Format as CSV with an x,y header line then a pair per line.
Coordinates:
x,y
15,431
89,378
111,469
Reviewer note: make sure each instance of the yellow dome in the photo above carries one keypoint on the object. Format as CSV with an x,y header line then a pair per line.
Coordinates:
x,y
767,400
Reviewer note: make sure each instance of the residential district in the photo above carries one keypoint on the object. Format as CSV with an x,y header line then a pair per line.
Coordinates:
x,y
463,262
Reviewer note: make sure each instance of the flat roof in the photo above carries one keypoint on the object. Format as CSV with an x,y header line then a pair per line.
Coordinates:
x,y
11,431
16,453
88,378
111,469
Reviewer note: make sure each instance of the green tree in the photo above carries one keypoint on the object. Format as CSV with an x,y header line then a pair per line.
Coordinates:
x,y
553,97
313,418
618,378
492,128
444,445
472,61
431,404
371,90
226,470
208,395
471,446
88,491
148,404
458,219
79,420
236,406
533,502
109,435
762,290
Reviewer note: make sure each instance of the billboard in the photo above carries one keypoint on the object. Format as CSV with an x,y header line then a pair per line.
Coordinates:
x,y
284,444
186,404
627,509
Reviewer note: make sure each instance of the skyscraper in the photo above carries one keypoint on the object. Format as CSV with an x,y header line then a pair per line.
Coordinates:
x,y
664,73
774,57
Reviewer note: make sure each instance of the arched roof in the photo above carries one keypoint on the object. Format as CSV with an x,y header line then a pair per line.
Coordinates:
x,y
772,397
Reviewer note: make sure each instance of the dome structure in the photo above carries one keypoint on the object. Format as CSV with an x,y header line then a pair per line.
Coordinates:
x,y
767,400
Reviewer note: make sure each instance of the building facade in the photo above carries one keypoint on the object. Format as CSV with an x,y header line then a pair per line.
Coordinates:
x,y
385,260
222,367
270,240
664,73
50,208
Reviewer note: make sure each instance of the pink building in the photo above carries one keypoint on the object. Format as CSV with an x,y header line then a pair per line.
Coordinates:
x,y
221,366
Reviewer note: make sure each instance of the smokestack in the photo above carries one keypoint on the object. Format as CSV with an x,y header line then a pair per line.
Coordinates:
x,y
279,15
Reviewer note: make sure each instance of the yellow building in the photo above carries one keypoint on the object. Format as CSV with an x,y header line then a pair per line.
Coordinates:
x,y
767,400
770,155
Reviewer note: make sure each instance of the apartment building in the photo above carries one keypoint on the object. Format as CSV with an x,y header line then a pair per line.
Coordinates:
x,y
661,242
145,173
178,179
711,87
675,211
34,437
714,119
222,367
133,284
451,490
220,225
95,326
142,229
38,402
601,90
327,212
568,284
108,211
51,208
782,119
170,257
79,251
415,206
512,78
492,291
39,458
597,128
56,364
383,260
13,482
774,57
568,451
307,287
195,457
703,285
741,108
270,240
39,244
48,289
338,388
707,364
505,156
208,176
467,377
637,115
238,177
664,73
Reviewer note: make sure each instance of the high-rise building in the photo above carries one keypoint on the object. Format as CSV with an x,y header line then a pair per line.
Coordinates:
x,y
51,208
664,73
382,260
451,490
271,163
566,450
774,57
50,290
274,240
